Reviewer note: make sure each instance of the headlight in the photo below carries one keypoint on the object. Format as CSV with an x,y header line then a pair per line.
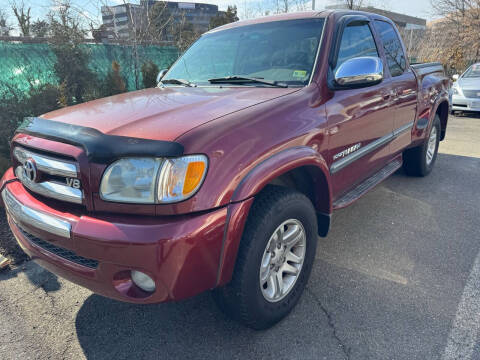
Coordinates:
x,y
153,181
455,90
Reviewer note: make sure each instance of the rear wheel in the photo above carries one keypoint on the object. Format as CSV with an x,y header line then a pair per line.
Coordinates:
x,y
274,259
419,160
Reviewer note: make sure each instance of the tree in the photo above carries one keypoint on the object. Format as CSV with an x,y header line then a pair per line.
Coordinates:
x,y
40,28
184,34
23,17
71,67
98,33
454,39
4,27
149,74
353,4
223,18
114,83
162,25
349,4
269,7
160,21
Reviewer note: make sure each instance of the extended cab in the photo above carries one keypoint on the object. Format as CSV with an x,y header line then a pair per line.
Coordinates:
x,y
224,176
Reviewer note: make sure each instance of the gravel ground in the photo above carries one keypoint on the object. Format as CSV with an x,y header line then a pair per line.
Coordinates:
x,y
8,244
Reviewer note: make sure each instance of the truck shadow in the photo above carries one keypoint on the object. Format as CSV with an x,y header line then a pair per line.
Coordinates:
x,y
191,329
38,276
188,329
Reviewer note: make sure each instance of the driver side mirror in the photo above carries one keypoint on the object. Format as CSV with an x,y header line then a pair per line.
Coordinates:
x,y
360,72
161,74
455,77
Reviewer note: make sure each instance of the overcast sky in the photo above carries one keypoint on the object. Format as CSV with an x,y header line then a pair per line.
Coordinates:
x,y
91,8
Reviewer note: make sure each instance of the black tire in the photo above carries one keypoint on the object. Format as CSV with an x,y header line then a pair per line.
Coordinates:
x,y
242,298
415,159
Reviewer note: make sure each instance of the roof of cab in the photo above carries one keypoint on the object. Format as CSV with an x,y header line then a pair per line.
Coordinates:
x,y
297,16
272,18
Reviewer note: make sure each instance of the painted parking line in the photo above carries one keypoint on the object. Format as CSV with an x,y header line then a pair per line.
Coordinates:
x,y
464,333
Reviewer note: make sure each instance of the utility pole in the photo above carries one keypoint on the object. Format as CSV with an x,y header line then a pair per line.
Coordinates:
x,y
313,4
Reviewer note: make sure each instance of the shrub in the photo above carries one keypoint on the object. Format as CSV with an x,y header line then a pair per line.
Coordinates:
x,y
114,83
16,106
149,74
43,99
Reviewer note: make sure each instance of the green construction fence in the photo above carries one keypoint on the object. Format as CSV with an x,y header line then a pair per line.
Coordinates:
x,y
23,65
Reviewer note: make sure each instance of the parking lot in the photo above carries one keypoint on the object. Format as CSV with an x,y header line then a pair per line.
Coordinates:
x,y
397,278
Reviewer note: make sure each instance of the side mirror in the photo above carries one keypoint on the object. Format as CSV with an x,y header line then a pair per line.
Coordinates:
x,y
359,72
455,77
161,74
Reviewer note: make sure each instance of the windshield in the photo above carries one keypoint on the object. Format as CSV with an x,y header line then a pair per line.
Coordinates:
x,y
280,51
472,72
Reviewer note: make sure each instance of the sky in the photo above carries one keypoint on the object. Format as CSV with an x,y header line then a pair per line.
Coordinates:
x,y
91,8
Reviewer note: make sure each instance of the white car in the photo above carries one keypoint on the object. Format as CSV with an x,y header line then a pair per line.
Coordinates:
x,y
466,90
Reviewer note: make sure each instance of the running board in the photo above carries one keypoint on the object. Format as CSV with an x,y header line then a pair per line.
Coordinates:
x,y
367,185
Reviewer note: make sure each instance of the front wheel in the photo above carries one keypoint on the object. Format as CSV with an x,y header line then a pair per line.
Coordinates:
x,y
419,160
274,260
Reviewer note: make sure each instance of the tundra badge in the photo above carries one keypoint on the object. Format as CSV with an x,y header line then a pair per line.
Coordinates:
x,y
345,152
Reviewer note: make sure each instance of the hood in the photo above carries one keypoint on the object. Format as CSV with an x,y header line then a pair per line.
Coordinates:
x,y
469,83
163,113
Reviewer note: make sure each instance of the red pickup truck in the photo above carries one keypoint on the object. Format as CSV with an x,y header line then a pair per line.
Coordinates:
x,y
225,175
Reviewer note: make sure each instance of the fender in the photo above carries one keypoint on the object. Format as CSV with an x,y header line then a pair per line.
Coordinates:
x,y
425,120
261,175
279,164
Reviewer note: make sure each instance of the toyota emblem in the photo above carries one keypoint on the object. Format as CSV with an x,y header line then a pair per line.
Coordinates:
x,y
30,170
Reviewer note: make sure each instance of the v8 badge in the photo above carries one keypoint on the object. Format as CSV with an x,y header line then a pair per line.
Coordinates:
x,y
74,183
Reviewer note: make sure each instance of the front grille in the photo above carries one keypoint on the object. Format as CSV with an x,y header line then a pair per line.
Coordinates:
x,y
49,176
61,252
472,94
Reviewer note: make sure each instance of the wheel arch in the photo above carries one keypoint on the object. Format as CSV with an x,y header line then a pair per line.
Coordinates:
x,y
300,168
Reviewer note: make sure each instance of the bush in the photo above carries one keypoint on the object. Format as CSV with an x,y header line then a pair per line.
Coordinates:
x,y
43,99
16,106
114,83
149,74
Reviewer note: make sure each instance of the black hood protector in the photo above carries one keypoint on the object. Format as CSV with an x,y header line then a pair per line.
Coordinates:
x,y
99,147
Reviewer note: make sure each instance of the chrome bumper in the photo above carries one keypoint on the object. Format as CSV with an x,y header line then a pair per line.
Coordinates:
x,y
23,214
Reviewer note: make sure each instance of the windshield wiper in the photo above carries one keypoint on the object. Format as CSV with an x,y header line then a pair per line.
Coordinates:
x,y
245,79
178,82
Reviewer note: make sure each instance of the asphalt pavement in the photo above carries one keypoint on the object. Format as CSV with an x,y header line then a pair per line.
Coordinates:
x,y
398,277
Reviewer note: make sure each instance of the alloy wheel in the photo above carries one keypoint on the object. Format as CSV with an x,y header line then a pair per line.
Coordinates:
x,y
282,260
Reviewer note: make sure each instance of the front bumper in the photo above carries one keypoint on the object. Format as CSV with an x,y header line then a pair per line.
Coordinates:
x,y
461,103
181,253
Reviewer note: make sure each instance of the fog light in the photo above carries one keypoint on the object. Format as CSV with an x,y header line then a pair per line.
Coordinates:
x,y
143,281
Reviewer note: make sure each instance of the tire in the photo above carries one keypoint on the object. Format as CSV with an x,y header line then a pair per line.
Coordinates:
x,y
246,298
419,161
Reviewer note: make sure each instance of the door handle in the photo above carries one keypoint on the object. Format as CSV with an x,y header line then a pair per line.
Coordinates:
x,y
389,95
386,96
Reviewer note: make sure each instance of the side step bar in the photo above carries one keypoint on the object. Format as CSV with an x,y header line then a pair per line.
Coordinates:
x,y
367,185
